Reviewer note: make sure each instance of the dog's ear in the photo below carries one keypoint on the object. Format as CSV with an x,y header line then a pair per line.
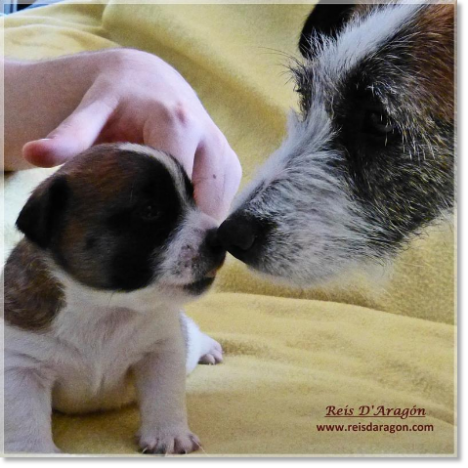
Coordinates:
x,y
43,210
326,19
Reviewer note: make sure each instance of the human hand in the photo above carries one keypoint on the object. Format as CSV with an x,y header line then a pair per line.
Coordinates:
x,y
135,96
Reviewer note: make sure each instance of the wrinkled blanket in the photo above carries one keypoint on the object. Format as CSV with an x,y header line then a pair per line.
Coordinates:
x,y
384,339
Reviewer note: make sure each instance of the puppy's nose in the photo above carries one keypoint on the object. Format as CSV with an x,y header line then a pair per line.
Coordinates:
x,y
213,249
237,233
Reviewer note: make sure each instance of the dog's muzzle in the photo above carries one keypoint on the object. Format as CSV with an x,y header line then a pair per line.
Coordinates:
x,y
243,237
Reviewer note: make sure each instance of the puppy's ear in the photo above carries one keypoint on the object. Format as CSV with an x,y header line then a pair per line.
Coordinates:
x,y
43,210
326,19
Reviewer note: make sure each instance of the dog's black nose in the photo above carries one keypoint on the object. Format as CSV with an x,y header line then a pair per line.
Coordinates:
x,y
237,234
212,240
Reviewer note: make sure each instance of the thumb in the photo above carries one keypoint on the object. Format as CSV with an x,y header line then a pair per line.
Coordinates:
x,y
74,135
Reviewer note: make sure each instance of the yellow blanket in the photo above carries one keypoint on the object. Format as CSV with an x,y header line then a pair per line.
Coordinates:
x,y
289,354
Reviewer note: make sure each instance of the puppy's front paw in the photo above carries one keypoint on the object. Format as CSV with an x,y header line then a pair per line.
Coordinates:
x,y
169,442
212,351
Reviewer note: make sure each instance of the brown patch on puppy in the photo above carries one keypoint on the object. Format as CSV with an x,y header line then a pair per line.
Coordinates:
x,y
105,217
105,178
107,191
33,298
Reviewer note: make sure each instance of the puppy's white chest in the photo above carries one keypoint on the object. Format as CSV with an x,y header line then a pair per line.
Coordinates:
x,y
95,352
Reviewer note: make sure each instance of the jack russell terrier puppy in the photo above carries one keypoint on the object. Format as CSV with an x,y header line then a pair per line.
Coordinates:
x,y
369,159
114,245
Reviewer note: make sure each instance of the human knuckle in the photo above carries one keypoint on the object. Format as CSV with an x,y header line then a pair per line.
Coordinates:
x,y
178,114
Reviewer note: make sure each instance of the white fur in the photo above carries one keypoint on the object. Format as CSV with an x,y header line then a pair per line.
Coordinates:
x,y
87,361
178,265
362,38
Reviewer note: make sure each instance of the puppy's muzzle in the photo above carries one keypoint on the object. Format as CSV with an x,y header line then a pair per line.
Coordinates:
x,y
212,254
214,250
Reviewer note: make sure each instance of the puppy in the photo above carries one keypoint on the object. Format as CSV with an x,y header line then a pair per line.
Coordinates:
x,y
369,159
114,245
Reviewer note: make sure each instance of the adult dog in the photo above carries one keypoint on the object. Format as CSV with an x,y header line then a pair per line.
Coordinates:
x,y
369,160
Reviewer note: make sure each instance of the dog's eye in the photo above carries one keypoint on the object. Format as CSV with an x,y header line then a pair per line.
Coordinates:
x,y
378,123
150,212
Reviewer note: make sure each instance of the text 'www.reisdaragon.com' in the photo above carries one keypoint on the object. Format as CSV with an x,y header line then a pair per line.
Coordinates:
x,y
373,427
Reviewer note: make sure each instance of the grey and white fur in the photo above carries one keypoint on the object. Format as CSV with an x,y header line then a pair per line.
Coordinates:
x,y
368,161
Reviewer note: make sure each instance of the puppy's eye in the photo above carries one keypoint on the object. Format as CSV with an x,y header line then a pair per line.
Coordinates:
x,y
378,123
150,212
